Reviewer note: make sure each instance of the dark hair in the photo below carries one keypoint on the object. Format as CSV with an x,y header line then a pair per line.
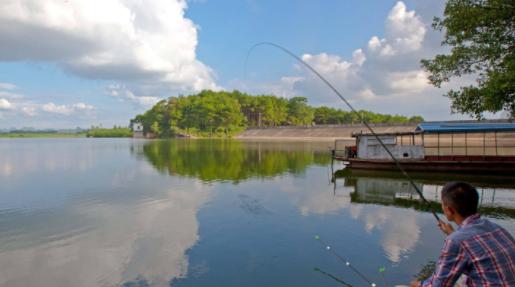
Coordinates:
x,y
462,197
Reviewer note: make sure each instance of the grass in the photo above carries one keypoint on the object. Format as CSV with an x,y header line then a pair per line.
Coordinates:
x,y
115,132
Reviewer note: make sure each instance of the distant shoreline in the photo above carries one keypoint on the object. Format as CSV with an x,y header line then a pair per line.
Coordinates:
x,y
42,135
326,133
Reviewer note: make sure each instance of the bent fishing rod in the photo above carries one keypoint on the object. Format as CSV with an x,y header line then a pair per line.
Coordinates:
x,y
360,117
316,269
345,261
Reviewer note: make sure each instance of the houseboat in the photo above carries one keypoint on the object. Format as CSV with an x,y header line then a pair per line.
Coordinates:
x,y
461,147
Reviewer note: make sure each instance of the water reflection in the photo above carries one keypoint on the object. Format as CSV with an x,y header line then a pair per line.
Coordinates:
x,y
400,230
91,216
226,160
120,243
496,198
90,212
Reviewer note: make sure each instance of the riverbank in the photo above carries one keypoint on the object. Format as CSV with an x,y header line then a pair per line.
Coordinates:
x,y
319,133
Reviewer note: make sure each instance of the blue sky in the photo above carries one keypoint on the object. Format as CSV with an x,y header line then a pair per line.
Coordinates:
x,y
88,62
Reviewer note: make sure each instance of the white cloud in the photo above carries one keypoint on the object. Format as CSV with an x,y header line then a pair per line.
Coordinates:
x,y
408,82
66,109
10,95
404,33
124,94
19,107
29,110
6,91
141,42
383,76
5,104
358,57
7,86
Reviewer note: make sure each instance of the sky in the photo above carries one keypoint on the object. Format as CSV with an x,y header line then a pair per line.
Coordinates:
x,y
77,63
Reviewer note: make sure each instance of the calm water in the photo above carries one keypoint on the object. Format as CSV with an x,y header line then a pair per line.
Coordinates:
x,y
106,212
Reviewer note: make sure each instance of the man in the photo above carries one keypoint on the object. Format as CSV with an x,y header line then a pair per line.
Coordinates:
x,y
479,249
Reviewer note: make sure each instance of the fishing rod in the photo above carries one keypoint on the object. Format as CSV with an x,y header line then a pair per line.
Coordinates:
x,y
345,261
360,117
316,269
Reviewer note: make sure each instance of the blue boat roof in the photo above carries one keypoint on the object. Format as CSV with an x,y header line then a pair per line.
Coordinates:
x,y
447,127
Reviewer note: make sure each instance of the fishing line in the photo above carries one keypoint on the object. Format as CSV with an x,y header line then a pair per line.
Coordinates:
x,y
360,117
345,261
382,271
316,269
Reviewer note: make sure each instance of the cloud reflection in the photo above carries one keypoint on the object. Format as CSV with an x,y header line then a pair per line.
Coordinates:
x,y
399,228
140,239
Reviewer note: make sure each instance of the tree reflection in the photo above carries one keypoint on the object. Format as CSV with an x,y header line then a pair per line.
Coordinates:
x,y
229,160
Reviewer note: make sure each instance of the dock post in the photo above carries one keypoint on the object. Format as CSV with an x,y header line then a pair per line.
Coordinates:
x,y
452,144
438,145
495,138
484,145
466,145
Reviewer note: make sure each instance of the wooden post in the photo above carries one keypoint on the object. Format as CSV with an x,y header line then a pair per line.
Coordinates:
x,y
466,146
452,143
438,147
484,144
495,138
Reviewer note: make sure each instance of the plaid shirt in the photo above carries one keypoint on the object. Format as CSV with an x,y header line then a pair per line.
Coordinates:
x,y
479,249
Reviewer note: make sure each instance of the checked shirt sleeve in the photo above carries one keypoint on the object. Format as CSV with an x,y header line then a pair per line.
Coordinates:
x,y
450,266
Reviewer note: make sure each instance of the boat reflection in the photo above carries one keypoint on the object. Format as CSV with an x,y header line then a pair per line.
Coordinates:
x,y
496,197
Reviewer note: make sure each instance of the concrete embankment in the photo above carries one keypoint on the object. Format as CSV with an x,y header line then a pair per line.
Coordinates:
x,y
319,133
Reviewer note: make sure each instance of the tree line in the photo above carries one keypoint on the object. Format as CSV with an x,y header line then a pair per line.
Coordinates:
x,y
115,132
223,113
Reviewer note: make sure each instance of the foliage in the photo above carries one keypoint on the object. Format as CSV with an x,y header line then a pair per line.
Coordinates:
x,y
224,114
482,36
325,115
115,132
299,112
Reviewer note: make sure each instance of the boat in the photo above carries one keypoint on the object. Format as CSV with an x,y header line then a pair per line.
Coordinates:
x,y
470,147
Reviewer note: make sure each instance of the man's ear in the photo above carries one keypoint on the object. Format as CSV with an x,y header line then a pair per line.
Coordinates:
x,y
451,210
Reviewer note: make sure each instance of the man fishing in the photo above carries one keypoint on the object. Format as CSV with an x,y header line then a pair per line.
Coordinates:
x,y
479,249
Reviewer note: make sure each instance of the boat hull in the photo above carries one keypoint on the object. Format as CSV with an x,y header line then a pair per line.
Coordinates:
x,y
500,166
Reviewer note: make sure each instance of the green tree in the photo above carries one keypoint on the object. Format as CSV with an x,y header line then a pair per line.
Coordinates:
x,y
223,114
482,36
299,112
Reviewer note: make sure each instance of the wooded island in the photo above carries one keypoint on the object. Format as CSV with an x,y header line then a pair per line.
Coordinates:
x,y
223,113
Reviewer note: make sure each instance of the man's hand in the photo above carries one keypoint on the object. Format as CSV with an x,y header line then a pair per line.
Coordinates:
x,y
445,227
414,283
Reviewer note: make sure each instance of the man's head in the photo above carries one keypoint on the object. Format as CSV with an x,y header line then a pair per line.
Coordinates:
x,y
459,200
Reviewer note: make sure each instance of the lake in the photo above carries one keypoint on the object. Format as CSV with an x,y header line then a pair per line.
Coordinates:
x,y
123,212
